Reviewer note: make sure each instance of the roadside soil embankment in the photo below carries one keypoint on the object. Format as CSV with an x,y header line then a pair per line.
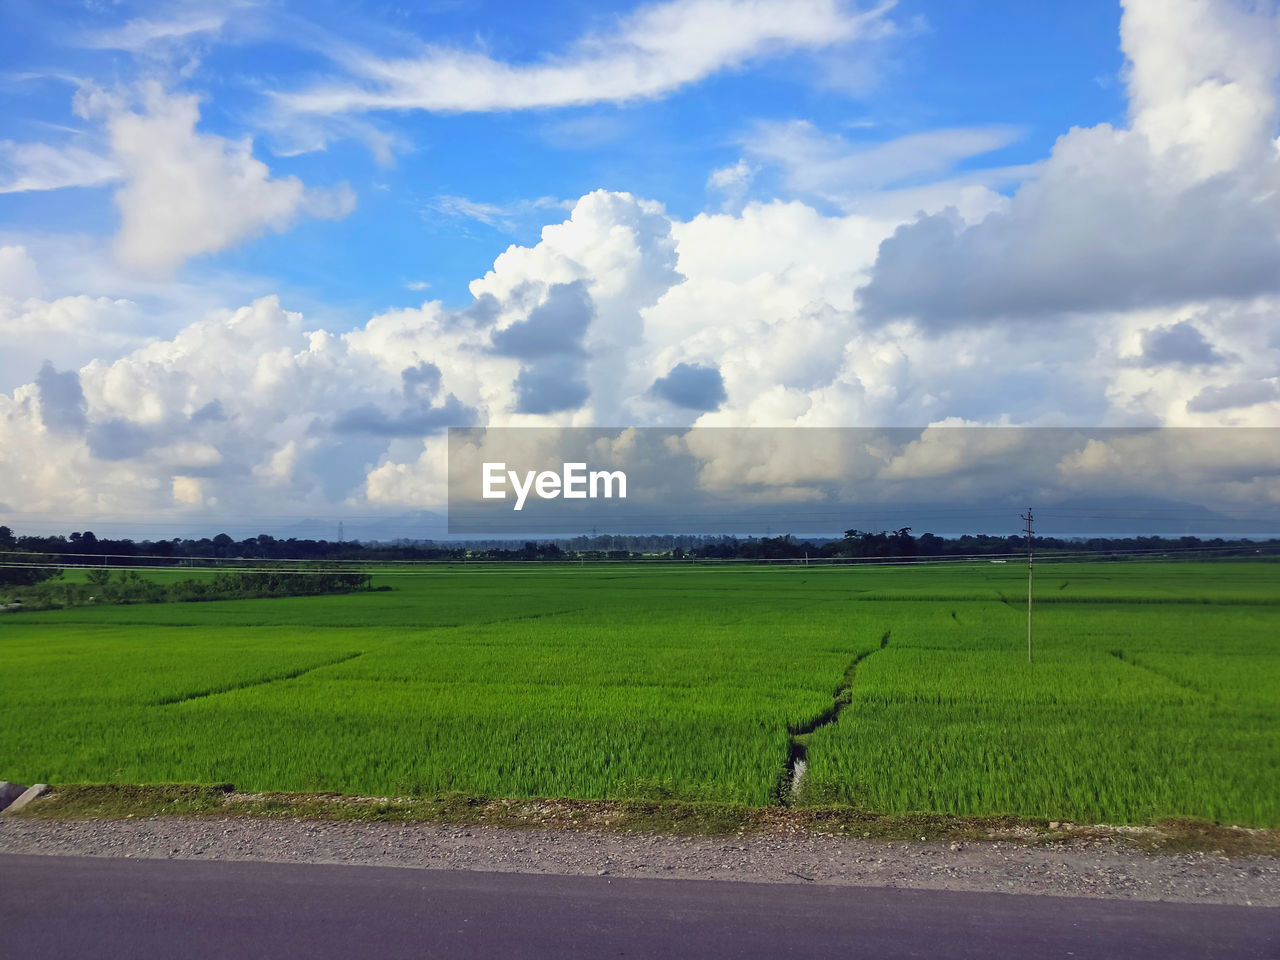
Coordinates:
x,y
1080,867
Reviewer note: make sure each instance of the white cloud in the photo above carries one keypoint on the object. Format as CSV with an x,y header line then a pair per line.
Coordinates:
x,y
140,33
19,276
734,177
890,179
69,331
1179,462
188,490
506,217
1181,206
732,183
1233,396
188,193
830,167
1201,80
1143,233
293,134
42,166
255,407
1206,374
651,52
184,192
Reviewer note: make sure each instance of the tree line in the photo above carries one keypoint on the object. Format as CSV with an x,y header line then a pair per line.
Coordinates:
x,y
33,580
45,555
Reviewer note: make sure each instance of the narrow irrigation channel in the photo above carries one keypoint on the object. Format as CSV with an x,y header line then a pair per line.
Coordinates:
x,y
789,783
262,681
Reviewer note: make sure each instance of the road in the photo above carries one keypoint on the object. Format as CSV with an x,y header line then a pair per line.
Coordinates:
x,y
104,908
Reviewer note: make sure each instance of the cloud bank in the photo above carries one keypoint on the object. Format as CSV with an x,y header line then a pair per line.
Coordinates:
x,y
1136,273
1182,204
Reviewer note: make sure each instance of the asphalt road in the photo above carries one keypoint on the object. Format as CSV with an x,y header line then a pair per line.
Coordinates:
x,y
103,908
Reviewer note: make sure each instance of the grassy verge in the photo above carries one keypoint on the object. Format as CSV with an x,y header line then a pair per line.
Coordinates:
x,y
124,801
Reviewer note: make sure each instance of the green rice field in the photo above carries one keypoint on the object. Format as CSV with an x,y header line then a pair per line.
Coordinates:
x,y
1155,691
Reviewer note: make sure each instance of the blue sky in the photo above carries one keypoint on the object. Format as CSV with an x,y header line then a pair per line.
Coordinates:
x,y
1029,66
261,253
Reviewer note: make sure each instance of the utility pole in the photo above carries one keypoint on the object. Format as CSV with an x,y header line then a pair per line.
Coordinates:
x,y
339,531
1030,518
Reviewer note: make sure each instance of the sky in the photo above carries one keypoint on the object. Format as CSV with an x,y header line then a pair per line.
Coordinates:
x,y
255,257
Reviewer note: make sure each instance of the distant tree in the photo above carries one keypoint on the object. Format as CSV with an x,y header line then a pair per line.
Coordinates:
x,y
930,545
86,542
904,544
29,570
222,545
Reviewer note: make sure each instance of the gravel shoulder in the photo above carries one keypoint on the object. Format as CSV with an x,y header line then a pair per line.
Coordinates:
x,y
1073,868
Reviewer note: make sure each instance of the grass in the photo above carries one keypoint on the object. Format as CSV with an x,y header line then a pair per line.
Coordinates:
x,y
1156,691
1182,724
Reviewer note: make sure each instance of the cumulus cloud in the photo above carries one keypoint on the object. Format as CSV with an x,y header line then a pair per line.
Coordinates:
x,y
607,319
188,193
551,386
421,383
19,276
730,177
62,403
1244,464
211,404
732,182
187,490
692,386
1234,396
69,331
411,422
118,439
1179,343
651,52
420,415
1181,205
623,250
210,412
1201,80
249,406
555,326
184,192
256,408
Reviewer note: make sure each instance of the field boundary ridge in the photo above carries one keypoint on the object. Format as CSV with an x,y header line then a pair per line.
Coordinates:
x,y
672,817
230,688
